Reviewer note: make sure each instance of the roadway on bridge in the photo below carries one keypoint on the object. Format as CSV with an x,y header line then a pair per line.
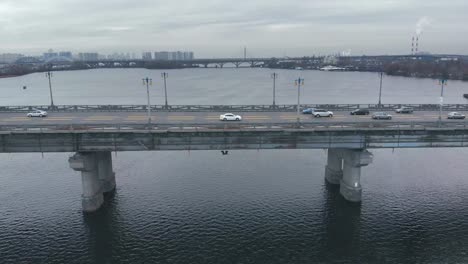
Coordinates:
x,y
198,117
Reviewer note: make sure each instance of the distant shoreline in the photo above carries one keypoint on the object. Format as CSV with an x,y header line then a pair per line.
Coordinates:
x,y
396,74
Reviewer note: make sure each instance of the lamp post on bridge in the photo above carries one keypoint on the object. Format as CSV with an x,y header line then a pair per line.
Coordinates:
x,y
165,75
147,81
49,75
380,90
442,83
299,82
274,76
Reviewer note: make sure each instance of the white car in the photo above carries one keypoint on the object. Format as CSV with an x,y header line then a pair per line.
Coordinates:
x,y
230,117
37,113
455,115
321,113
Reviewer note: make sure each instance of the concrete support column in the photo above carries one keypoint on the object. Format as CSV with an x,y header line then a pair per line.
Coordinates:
x,y
86,163
334,168
105,172
350,185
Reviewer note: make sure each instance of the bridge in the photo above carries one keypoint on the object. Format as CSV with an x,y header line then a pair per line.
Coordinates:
x,y
219,62
94,134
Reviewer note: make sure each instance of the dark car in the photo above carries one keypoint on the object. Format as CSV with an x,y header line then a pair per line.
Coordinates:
x,y
360,112
307,111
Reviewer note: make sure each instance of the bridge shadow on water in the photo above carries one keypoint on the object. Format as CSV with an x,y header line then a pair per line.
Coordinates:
x,y
102,228
342,227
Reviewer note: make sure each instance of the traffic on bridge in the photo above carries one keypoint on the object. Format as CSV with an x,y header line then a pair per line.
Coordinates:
x,y
207,117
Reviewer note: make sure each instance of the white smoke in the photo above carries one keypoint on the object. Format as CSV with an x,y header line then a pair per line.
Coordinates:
x,y
423,22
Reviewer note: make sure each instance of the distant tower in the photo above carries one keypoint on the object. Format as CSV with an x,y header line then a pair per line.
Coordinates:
x,y
417,44
412,46
245,53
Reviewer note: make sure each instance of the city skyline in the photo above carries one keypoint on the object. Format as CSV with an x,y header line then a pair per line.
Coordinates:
x,y
221,29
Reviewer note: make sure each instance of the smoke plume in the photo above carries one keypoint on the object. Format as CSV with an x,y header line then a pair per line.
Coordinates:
x,y
422,23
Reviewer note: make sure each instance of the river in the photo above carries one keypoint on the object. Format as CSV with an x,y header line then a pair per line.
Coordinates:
x,y
265,206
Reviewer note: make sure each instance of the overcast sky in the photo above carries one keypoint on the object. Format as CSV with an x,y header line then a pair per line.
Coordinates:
x,y
221,28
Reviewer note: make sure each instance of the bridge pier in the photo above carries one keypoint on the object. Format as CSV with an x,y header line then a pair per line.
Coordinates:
x,y
334,167
350,184
105,171
97,177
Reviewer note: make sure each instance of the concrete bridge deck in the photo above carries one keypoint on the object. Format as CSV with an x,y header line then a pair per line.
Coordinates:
x,y
203,117
94,135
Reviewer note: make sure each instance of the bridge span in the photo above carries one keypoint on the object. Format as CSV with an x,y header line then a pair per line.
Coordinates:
x,y
94,135
347,144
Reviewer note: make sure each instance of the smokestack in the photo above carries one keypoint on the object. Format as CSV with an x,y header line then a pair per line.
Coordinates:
x,y
417,44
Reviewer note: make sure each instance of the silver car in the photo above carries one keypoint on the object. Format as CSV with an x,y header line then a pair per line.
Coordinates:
x,y
381,115
37,113
322,113
404,110
455,115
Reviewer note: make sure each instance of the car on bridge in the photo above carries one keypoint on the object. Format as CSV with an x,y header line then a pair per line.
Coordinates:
x,y
321,113
455,115
37,113
230,117
360,111
404,110
381,115
307,111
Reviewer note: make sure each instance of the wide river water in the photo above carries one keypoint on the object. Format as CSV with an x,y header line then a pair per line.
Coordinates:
x,y
265,206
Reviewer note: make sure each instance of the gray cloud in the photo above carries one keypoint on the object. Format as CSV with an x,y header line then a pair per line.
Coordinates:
x,y
221,28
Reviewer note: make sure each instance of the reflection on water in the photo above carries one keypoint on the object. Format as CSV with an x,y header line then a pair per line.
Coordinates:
x,y
342,221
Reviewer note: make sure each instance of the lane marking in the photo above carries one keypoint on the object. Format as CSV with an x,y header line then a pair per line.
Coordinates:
x,y
57,119
180,117
139,117
98,119
98,116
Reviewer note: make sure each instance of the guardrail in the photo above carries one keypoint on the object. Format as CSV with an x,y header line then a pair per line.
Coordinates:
x,y
228,108
377,125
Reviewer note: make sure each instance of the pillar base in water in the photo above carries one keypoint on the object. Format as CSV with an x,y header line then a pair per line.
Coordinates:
x,y
351,193
108,185
333,176
93,203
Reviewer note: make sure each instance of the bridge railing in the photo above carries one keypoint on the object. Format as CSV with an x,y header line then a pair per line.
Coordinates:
x,y
384,125
228,108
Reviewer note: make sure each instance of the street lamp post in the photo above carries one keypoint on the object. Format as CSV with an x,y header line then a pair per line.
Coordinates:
x,y
442,83
165,75
274,76
299,82
380,91
49,76
147,81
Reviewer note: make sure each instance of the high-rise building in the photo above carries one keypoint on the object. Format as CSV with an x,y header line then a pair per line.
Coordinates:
x,y
10,57
49,54
180,55
66,54
147,56
161,55
173,56
188,55
88,56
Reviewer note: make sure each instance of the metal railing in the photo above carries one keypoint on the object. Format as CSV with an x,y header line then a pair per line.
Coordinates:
x,y
227,108
335,126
